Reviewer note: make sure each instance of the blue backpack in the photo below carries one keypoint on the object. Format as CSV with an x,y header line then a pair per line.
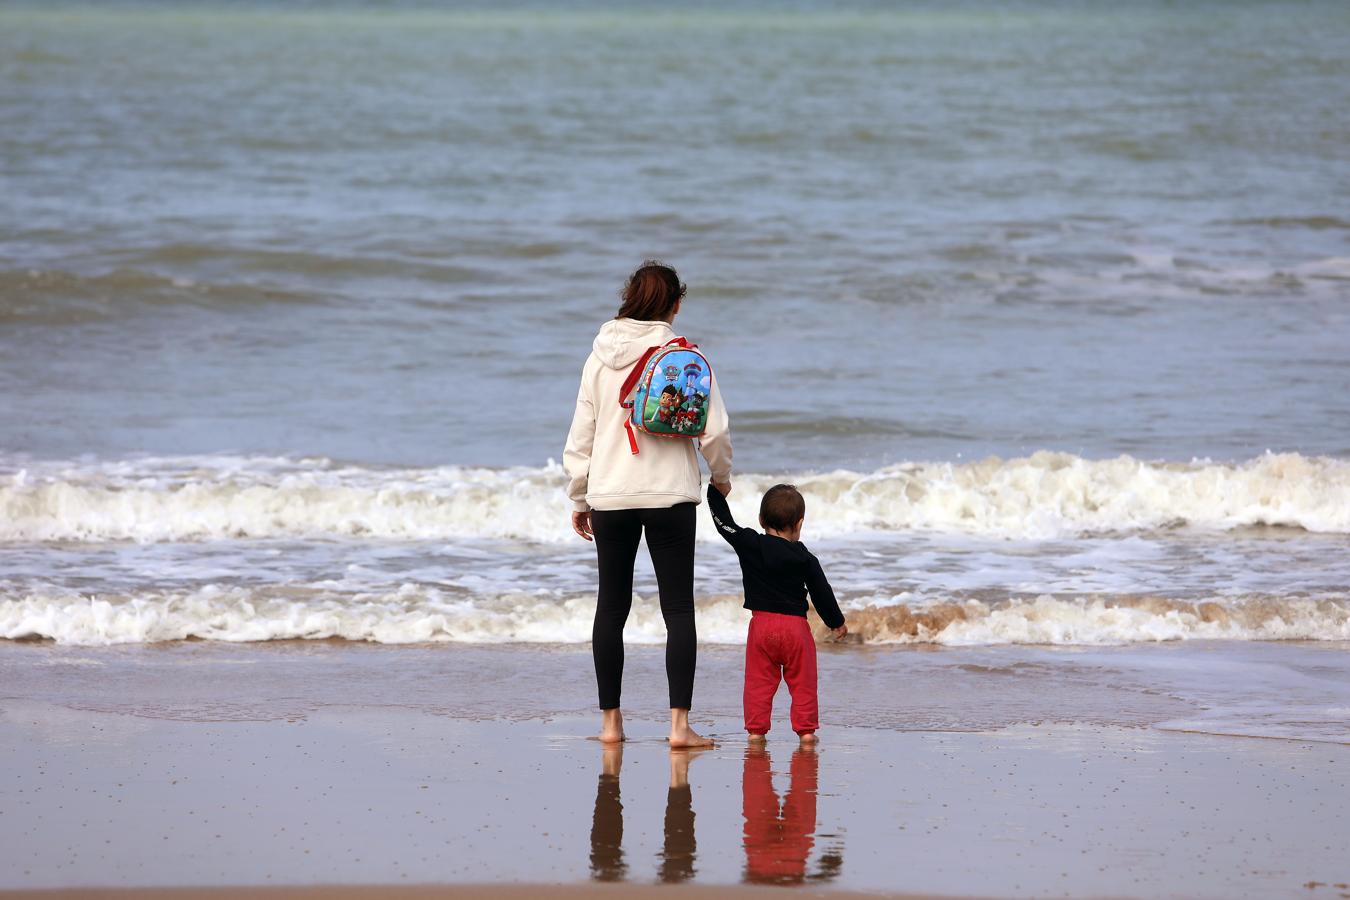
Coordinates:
x,y
674,384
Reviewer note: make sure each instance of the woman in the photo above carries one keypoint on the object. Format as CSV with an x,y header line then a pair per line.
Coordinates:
x,y
619,495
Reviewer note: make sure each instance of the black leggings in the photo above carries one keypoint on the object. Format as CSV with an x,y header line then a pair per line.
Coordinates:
x,y
670,541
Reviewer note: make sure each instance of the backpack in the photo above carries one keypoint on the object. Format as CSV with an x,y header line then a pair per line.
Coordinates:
x,y
674,386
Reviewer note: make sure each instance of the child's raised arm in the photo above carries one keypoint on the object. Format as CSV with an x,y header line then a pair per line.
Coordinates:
x,y
732,533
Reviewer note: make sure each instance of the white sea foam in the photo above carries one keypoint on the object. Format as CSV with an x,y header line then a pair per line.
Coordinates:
x,y
1044,495
409,614
415,613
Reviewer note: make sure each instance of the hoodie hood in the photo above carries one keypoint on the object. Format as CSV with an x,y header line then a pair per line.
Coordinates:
x,y
621,342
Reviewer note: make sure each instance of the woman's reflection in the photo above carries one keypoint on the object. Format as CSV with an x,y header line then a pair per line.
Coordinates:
x,y
677,855
607,827
778,839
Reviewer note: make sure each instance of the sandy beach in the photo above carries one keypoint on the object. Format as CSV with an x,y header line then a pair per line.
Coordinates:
x,y
250,766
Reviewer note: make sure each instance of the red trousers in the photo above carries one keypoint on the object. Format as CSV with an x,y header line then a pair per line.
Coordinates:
x,y
780,647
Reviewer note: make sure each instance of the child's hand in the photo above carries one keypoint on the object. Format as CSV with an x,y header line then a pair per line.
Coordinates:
x,y
839,632
723,487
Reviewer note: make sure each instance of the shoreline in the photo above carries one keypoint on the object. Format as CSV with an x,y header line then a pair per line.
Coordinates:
x,y
452,892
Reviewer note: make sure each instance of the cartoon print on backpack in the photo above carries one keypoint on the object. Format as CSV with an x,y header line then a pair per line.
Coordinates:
x,y
668,405
691,411
673,384
692,372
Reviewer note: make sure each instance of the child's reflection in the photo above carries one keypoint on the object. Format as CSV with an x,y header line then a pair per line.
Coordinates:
x,y
778,840
607,827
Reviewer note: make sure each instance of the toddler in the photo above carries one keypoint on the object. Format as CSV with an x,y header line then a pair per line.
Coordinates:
x,y
779,572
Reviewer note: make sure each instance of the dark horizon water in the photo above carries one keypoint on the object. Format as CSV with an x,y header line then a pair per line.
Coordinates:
x,y
387,234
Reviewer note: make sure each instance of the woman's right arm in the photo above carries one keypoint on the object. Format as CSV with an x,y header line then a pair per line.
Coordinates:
x,y
577,453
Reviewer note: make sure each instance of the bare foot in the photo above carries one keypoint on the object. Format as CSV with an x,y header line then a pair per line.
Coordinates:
x,y
687,738
758,738
681,735
611,726
809,739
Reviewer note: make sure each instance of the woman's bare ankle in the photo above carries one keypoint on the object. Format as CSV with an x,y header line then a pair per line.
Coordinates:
x,y
611,726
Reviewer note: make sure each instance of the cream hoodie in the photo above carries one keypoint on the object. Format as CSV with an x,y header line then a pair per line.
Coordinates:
x,y
603,472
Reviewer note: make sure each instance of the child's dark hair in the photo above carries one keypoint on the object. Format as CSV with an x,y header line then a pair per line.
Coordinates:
x,y
782,507
651,292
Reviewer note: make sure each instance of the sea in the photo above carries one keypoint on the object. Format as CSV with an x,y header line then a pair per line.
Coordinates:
x,y
1044,306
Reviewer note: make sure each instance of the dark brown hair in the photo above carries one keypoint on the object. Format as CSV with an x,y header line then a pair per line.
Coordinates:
x,y
651,292
782,507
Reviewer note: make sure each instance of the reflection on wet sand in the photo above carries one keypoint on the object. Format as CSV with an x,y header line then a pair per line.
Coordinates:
x,y
607,826
676,859
677,854
779,839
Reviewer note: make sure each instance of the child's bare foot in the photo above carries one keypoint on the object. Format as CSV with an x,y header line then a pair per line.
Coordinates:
x,y
611,726
758,738
682,737
809,739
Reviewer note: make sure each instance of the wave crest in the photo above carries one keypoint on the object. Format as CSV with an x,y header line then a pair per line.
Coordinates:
x,y
1104,620
1045,495
417,613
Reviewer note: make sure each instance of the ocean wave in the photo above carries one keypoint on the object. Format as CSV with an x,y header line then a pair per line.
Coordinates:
x,y
55,297
414,613
1043,496
1049,619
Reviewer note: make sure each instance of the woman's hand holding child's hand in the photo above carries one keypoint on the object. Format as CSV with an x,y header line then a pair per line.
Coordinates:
x,y
723,487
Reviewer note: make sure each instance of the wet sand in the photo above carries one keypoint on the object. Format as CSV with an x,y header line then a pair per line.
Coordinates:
x,y
258,766
437,892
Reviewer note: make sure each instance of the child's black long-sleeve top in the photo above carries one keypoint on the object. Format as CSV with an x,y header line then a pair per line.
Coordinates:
x,y
777,573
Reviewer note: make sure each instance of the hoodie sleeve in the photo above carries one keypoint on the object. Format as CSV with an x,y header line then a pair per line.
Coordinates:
x,y
715,445
580,440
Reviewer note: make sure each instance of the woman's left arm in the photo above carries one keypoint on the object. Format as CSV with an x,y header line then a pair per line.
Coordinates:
x,y
715,444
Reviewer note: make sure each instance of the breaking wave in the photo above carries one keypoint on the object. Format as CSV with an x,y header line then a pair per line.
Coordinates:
x,y
415,614
1044,495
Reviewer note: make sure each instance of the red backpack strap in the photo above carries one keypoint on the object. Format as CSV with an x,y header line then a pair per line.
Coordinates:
x,y
641,366
634,374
